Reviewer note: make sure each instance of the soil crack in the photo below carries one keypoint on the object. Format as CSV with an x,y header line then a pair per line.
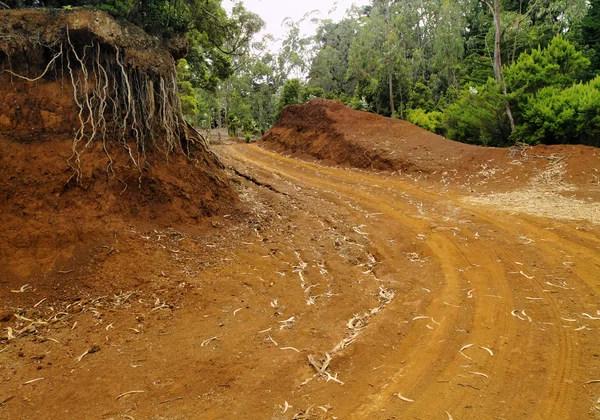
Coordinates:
x,y
257,182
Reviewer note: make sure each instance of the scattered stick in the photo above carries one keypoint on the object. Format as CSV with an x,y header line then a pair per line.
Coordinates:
x,y
526,276
464,348
468,386
95,348
290,348
333,378
479,374
208,341
274,342
33,380
556,285
127,393
590,317
569,319
489,351
22,289
515,313
320,367
9,334
405,399
449,415
38,304
168,401
593,381
236,311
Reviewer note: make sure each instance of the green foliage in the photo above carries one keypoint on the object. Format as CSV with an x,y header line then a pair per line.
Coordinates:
x,y
559,64
478,117
555,116
118,8
431,121
233,125
356,103
290,94
189,104
590,33
308,93
547,109
420,97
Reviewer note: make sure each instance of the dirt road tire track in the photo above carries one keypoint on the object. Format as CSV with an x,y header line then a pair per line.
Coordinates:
x,y
537,371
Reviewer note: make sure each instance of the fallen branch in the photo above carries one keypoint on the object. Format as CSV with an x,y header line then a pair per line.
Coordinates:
x,y
127,393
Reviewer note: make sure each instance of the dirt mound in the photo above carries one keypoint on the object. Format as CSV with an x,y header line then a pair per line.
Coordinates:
x,y
92,143
329,131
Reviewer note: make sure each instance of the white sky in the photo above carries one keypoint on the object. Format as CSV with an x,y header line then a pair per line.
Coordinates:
x,y
273,12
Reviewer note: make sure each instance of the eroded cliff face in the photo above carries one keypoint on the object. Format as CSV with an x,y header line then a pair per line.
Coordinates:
x,y
41,57
92,138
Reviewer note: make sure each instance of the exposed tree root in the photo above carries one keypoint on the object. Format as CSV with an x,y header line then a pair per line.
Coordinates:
x,y
117,103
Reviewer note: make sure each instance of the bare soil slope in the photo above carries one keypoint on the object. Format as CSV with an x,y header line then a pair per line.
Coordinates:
x,y
79,162
334,133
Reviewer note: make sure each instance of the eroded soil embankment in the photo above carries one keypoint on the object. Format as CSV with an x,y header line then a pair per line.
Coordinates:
x,y
92,143
333,133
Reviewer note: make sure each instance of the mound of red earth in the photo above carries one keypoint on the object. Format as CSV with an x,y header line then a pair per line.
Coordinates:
x,y
334,133
330,131
67,197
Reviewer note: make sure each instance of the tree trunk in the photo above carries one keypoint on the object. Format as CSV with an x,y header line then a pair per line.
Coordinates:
x,y
498,74
392,108
391,85
518,30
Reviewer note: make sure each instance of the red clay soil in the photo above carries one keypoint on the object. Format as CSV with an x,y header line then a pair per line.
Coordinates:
x,y
334,133
340,293
48,220
57,229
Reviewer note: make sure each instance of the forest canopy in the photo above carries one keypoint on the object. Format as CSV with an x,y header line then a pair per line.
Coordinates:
x,y
489,72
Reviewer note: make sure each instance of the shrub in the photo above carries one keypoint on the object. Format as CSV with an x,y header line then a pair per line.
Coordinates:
x,y
478,117
555,116
431,121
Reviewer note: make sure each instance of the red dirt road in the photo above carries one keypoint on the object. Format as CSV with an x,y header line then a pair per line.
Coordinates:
x,y
340,294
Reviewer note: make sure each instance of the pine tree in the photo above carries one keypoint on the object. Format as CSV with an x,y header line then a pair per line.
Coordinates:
x,y
590,28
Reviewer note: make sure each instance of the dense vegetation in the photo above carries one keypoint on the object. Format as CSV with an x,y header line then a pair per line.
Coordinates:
x,y
489,72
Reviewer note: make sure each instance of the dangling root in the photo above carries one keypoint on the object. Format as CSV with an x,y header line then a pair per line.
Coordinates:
x,y
115,101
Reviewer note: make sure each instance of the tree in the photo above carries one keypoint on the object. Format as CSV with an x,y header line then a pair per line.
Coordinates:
x,y
329,67
559,64
479,116
290,94
590,30
448,44
498,74
556,115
